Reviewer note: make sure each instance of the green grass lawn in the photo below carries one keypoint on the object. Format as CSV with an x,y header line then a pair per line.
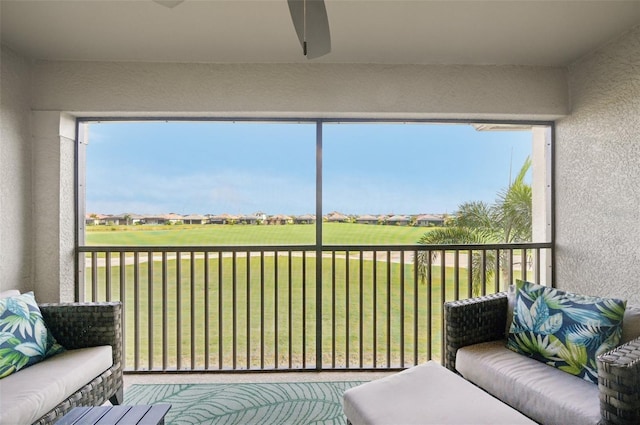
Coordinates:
x,y
185,235
262,314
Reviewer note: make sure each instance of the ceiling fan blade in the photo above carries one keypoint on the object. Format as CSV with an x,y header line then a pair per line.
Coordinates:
x,y
169,3
314,33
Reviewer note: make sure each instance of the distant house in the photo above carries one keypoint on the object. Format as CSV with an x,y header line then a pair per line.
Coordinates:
x,y
336,217
429,220
124,219
399,220
115,220
134,218
304,219
194,219
93,219
279,219
247,219
109,220
154,219
220,219
174,218
366,219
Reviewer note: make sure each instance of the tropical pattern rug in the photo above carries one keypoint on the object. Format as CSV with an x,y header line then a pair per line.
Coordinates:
x,y
246,403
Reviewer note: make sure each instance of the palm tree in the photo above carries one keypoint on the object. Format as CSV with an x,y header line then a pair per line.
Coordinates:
x,y
508,220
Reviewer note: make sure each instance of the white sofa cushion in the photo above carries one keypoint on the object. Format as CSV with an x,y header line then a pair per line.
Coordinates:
x,y
28,394
545,394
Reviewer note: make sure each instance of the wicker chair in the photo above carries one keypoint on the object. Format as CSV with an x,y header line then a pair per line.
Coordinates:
x,y
80,325
483,319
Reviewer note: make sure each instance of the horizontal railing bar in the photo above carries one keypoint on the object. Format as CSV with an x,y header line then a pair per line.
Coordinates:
x,y
434,247
199,248
325,248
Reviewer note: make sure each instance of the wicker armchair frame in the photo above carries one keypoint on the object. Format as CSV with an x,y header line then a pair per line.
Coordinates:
x,y
80,325
483,319
472,321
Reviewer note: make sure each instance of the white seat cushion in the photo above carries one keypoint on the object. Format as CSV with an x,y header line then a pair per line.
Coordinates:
x,y
544,393
28,394
426,394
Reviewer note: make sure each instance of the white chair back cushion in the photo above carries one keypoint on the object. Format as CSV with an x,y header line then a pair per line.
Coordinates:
x,y
9,293
630,324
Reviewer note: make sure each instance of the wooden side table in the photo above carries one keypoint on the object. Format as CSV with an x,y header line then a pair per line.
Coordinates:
x,y
110,415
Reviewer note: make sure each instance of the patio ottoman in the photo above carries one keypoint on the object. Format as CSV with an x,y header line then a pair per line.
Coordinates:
x,y
426,394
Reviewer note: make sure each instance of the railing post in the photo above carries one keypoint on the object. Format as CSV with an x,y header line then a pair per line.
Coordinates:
x,y
319,281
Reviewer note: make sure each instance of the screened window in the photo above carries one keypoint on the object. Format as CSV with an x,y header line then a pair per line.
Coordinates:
x,y
259,183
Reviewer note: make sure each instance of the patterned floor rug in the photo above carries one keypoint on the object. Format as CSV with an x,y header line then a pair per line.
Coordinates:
x,y
247,403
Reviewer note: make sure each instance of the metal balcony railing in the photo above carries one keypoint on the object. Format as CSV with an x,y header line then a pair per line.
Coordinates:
x,y
251,308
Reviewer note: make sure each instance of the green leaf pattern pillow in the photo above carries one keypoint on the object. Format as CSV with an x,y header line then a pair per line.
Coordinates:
x,y
24,338
564,330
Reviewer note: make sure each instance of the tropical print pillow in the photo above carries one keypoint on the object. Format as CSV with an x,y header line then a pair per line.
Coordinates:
x,y
24,338
564,330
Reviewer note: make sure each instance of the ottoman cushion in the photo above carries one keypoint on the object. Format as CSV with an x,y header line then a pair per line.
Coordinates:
x,y
426,394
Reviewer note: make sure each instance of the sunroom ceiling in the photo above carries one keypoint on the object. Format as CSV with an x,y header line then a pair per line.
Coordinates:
x,y
547,33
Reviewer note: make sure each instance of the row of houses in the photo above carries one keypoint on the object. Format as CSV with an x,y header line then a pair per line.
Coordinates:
x,y
389,219
94,219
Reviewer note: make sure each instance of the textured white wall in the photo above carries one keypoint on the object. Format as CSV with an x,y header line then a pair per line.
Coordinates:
x,y
317,90
598,174
53,171
15,174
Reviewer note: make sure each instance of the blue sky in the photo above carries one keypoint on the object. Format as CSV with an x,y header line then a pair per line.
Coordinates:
x,y
245,167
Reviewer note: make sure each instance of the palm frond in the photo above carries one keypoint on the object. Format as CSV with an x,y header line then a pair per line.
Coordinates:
x,y
612,309
450,236
591,317
453,235
476,222
474,215
575,356
514,208
588,335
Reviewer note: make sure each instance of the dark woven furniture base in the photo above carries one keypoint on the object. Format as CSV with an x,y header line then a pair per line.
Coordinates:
x,y
619,384
484,319
80,325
